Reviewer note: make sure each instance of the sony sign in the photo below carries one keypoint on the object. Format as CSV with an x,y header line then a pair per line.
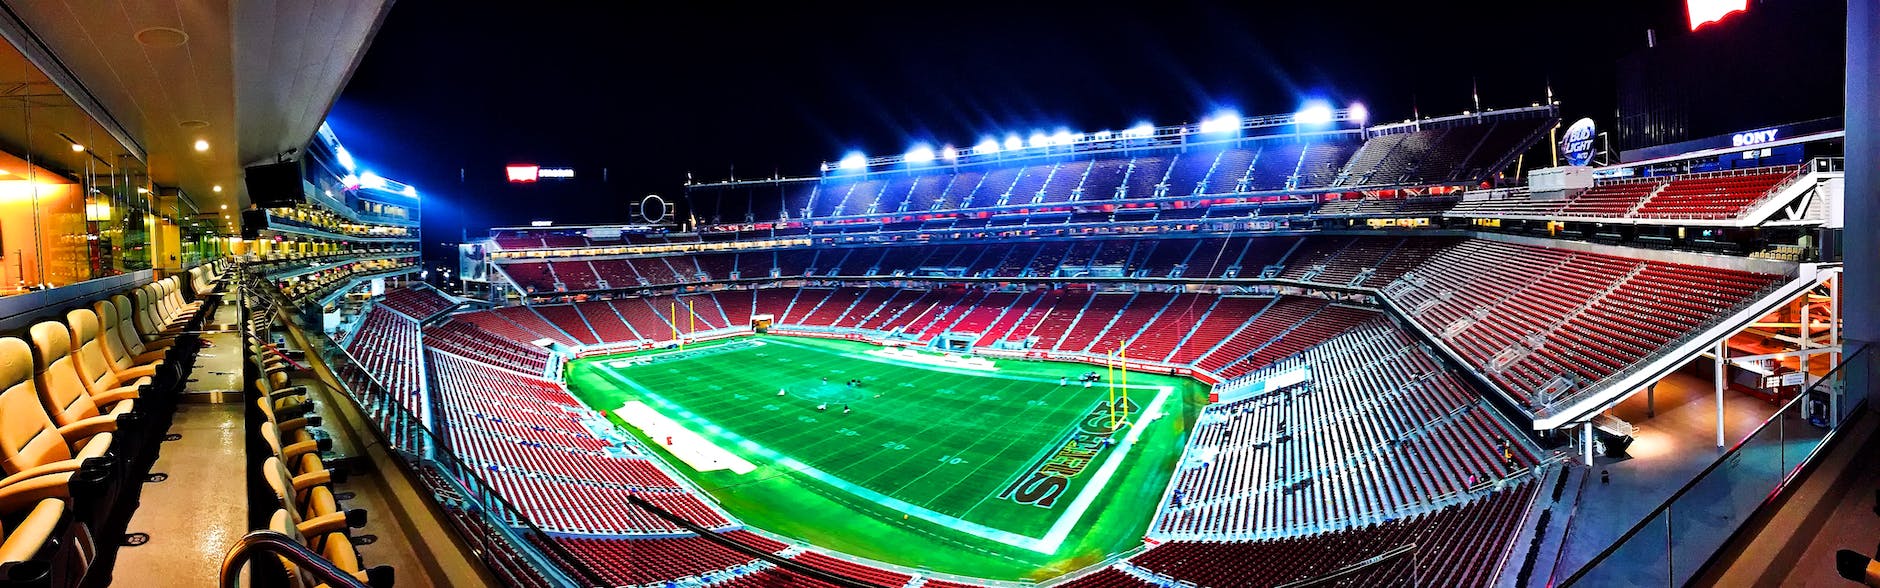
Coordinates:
x,y
1577,145
1753,138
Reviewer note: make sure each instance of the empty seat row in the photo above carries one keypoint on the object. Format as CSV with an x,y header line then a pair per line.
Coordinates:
x,y
85,402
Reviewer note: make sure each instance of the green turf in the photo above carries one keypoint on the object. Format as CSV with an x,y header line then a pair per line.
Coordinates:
x,y
919,475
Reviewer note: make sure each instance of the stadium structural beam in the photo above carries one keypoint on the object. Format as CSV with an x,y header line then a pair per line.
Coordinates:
x,y
1723,348
1586,442
1860,245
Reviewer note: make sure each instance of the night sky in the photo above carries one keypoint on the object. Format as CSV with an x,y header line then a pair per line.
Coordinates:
x,y
652,91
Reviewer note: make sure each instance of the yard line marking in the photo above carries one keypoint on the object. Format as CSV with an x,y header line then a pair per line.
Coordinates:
x,y
1048,544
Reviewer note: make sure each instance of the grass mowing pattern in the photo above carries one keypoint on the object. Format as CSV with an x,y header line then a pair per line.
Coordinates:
x,y
946,441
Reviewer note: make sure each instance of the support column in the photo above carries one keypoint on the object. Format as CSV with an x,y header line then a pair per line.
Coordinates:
x,y
1722,345
1651,400
1586,443
1860,241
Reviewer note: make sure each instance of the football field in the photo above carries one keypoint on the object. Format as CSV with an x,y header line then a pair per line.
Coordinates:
x,y
1003,473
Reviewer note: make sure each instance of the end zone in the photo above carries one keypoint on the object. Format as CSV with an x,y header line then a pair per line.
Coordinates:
x,y
696,451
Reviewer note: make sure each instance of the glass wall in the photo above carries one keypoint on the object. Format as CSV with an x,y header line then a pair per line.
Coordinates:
x,y
1673,543
74,203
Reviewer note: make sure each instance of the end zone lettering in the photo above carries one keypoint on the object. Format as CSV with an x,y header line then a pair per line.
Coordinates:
x,y
1048,477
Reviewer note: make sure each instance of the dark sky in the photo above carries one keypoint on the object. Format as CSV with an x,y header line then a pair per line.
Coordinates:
x,y
653,90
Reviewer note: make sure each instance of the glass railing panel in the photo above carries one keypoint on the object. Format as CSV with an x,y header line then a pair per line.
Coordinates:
x,y
1687,529
1643,559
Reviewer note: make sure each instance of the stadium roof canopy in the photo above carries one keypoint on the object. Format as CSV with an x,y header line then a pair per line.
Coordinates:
x,y
251,79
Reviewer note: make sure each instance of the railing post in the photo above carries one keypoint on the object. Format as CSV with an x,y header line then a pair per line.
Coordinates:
x,y
1722,348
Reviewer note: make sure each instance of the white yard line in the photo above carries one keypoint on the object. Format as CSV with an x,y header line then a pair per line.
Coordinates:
x,y
1052,540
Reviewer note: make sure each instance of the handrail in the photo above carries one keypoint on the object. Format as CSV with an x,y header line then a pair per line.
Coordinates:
x,y
273,542
1391,555
1726,457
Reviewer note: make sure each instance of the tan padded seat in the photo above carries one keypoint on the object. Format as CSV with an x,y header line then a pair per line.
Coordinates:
x,y
30,443
125,348
111,346
137,340
88,350
62,390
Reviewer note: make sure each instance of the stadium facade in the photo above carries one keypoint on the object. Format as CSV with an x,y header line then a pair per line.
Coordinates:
x,y
1289,349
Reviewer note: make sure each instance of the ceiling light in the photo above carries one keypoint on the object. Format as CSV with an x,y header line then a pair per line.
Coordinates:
x,y
202,145
163,37
217,188
143,190
78,147
225,207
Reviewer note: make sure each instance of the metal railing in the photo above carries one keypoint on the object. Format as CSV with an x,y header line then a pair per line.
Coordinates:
x,y
264,542
1676,540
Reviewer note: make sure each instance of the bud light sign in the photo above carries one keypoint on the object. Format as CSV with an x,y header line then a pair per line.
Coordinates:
x,y
1577,145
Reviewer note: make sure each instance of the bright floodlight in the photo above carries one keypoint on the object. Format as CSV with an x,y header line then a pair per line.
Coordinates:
x,y
371,180
986,145
854,160
1315,113
1359,113
1102,135
1142,130
410,191
1013,143
1063,137
345,158
949,153
1038,139
1226,121
920,154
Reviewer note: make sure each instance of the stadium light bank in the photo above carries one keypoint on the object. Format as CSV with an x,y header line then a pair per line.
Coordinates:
x,y
1224,125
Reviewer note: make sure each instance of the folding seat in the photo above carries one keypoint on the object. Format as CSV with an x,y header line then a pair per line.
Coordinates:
x,y
118,359
171,304
301,457
195,304
203,283
312,487
151,324
87,350
277,373
324,533
127,348
40,459
291,423
66,396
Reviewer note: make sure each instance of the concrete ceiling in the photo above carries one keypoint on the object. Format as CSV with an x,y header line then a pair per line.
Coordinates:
x,y
253,78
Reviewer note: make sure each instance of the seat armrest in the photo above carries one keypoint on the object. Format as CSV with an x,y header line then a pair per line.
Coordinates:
x,y
57,467
147,370
37,529
302,448
333,522
22,494
114,396
311,479
87,428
